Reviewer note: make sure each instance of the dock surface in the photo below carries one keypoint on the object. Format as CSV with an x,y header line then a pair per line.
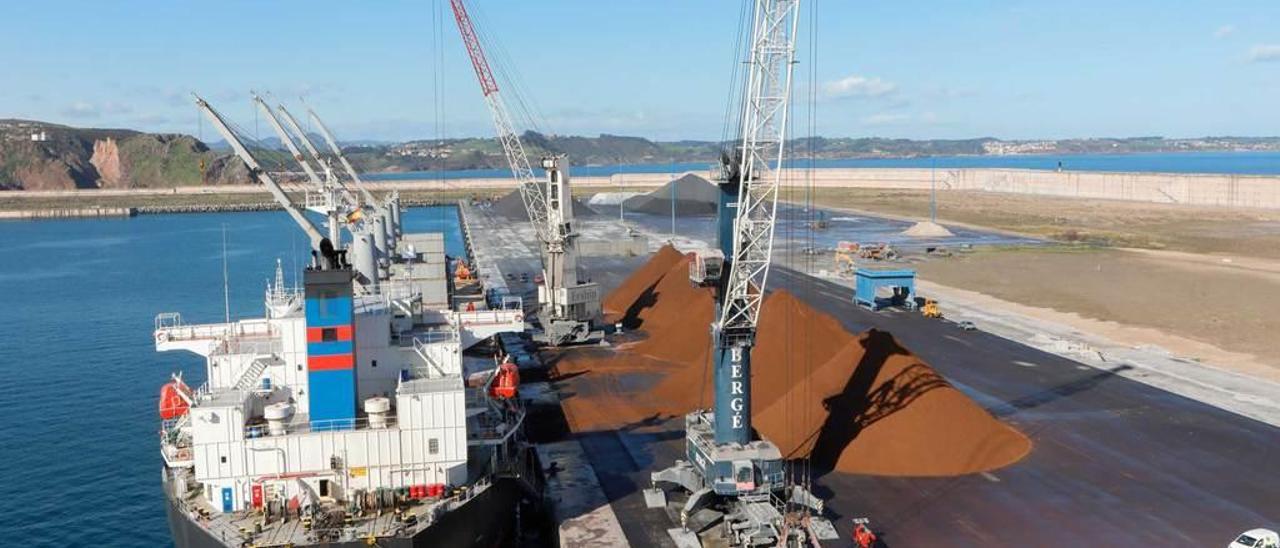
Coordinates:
x,y
1116,462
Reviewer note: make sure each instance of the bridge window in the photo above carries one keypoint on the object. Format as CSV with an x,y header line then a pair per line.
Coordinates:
x,y
433,446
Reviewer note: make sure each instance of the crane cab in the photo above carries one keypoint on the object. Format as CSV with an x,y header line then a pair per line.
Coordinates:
x,y
706,267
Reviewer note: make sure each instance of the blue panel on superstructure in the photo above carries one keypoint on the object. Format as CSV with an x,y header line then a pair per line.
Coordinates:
x,y
228,499
329,348
333,399
902,281
328,311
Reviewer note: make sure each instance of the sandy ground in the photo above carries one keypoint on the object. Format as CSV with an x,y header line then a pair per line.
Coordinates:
x,y
1205,230
1219,304
1199,281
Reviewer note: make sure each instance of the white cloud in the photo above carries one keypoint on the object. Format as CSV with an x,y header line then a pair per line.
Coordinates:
x,y
1224,31
858,86
1265,53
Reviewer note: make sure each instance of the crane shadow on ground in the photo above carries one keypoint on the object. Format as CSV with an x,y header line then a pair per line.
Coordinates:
x,y
862,403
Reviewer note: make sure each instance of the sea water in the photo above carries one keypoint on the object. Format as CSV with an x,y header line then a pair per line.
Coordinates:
x,y
1237,163
79,375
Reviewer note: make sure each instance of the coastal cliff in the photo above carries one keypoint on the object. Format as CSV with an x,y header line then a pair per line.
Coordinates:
x,y
41,156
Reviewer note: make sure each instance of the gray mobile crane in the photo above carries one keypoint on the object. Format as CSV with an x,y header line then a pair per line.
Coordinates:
x,y
567,306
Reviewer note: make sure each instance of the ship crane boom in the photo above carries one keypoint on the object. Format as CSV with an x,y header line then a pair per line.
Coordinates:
x,y
313,233
337,151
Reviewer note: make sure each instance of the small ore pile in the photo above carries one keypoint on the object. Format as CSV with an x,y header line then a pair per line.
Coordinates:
x,y
852,403
511,206
692,194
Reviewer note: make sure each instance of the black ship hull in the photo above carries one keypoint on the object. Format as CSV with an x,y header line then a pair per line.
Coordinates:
x,y
488,519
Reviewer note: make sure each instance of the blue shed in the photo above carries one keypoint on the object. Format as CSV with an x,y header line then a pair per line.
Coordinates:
x,y
901,281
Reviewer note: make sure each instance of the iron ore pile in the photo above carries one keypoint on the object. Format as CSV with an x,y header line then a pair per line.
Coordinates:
x,y
858,403
511,206
691,194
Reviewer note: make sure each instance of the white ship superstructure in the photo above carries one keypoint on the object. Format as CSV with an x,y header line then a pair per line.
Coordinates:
x,y
346,412
263,430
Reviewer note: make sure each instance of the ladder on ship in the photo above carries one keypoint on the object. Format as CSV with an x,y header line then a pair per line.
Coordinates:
x,y
251,374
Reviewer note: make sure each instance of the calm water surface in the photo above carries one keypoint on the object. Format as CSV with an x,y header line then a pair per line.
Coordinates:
x,y
1240,163
79,376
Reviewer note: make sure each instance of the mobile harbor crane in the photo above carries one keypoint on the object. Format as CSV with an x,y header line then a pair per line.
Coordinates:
x,y
567,306
742,479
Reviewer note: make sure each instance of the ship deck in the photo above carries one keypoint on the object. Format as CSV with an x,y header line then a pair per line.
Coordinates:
x,y
239,528
1115,461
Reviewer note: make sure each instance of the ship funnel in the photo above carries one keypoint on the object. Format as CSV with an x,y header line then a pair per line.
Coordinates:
x,y
330,257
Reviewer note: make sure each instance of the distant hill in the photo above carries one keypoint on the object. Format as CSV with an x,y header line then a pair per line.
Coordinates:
x,y
42,156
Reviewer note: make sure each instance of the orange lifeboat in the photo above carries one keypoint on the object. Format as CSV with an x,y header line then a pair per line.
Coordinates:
x,y
174,396
506,382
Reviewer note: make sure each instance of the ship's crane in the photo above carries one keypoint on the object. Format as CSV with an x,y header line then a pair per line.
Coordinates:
x,y
337,152
727,469
330,178
326,250
330,202
372,240
566,305
388,209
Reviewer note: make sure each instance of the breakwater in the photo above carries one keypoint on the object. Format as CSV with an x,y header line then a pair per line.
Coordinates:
x,y
122,212
68,213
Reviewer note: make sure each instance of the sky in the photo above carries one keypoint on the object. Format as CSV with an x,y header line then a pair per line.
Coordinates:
x,y
396,70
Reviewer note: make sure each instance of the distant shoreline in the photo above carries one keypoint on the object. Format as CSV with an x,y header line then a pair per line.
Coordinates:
x,y
1202,189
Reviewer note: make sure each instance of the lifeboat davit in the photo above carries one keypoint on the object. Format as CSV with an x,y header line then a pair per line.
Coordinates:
x,y
506,382
174,399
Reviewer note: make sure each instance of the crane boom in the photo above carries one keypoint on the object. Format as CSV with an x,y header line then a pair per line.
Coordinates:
x,y
726,463
765,109
261,175
352,203
288,143
535,201
337,151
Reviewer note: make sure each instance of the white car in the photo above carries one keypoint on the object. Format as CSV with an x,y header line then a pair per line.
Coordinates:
x,y
1257,538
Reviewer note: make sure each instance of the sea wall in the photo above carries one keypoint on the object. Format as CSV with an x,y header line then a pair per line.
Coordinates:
x,y
68,213
1250,191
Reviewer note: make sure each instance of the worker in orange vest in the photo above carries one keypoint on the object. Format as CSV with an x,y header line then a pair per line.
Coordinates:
x,y
863,536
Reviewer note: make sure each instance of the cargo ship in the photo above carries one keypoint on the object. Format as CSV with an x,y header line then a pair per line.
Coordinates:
x,y
348,414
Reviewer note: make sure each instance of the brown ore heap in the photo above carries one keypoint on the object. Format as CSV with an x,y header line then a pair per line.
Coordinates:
x,y
851,403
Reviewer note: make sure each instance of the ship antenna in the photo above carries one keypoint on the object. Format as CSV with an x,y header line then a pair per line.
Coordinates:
x,y
226,291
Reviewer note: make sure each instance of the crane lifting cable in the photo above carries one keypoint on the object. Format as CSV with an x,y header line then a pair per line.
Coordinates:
x,y
730,471
567,306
